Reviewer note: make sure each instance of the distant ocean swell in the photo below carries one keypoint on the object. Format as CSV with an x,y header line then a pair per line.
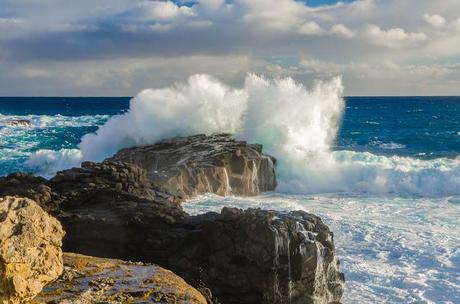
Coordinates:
x,y
297,125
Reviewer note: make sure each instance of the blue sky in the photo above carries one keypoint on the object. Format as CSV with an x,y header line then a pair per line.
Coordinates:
x,y
119,47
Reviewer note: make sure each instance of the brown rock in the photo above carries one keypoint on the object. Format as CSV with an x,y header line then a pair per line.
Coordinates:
x,y
30,249
88,280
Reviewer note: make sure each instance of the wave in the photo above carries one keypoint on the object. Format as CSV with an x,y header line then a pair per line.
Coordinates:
x,y
296,124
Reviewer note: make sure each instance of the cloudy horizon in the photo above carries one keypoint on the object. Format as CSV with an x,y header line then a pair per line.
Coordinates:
x,y
119,47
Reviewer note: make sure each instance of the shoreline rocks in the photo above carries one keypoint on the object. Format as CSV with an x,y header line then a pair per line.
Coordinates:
x,y
88,280
127,208
194,165
30,249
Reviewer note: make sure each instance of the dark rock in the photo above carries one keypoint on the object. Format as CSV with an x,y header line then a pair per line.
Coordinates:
x,y
33,187
189,166
251,256
119,210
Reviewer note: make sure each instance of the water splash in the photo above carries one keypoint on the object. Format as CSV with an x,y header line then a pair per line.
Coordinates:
x,y
296,124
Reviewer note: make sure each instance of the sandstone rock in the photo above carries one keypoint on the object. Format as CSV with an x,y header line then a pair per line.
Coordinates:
x,y
189,166
88,280
30,249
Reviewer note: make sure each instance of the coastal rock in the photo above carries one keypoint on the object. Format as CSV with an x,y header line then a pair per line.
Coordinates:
x,y
16,123
32,187
88,280
251,256
120,210
30,249
189,166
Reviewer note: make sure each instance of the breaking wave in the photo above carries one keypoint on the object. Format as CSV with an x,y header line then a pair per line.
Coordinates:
x,y
296,124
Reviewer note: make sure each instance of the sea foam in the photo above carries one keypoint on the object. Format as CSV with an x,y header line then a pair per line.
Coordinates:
x,y
296,124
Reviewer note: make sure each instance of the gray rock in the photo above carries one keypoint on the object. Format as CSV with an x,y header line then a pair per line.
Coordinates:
x,y
189,166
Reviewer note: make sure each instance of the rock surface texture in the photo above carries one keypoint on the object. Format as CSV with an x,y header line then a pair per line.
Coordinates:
x,y
30,249
88,280
124,208
189,166
251,256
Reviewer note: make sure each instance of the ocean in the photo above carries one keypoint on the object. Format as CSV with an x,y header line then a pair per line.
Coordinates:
x,y
382,172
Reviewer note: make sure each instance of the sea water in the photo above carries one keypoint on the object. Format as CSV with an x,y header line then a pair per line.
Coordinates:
x,y
382,172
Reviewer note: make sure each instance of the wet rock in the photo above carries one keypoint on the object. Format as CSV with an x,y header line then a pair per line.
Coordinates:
x,y
16,123
251,256
30,249
189,166
88,280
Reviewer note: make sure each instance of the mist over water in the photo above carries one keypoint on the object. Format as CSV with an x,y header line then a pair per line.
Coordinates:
x,y
296,124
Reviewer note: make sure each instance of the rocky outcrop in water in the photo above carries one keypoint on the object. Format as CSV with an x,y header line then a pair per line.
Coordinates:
x,y
251,256
189,166
30,249
91,280
16,123
120,210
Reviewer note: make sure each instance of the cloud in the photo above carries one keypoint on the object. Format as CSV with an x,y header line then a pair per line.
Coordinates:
x,y
159,10
435,20
342,31
310,28
92,41
393,38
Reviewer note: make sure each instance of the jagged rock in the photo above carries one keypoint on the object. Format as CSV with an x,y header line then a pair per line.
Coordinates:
x,y
119,210
189,166
251,256
88,280
30,249
30,186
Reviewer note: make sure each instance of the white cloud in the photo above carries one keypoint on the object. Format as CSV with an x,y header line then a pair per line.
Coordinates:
x,y
435,20
342,31
393,38
310,28
160,10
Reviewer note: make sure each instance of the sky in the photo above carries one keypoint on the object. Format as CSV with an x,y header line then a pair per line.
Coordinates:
x,y
119,47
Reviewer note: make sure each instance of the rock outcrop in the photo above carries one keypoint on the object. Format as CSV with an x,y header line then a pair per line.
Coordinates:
x,y
30,249
88,280
189,166
251,256
117,209
16,123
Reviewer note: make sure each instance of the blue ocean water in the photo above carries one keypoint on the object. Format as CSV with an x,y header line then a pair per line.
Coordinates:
x,y
397,244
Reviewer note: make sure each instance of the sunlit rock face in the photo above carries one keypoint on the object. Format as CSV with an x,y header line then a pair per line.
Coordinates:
x,y
189,166
88,280
30,249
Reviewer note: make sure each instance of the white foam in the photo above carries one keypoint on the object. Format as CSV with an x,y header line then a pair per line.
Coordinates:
x,y
48,162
